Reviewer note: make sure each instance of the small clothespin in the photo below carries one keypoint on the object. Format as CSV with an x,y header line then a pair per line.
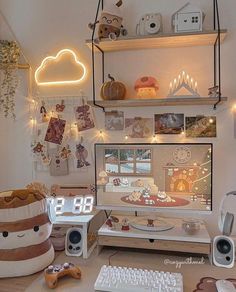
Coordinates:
x,y
60,107
119,3
42,108
83,97
43,112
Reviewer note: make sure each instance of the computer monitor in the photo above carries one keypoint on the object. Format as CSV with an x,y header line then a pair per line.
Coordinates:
x,y
154,177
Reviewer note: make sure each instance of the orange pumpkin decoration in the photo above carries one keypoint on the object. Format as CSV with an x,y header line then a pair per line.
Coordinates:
x,y
113,90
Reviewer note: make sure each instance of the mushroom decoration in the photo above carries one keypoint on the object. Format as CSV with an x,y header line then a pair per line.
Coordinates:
x,y
146,87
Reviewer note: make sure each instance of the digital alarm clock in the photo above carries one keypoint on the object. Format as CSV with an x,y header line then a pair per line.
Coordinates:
x,y
77,205
72,200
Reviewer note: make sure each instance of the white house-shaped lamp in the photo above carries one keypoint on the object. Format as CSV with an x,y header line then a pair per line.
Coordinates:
x,y
188,18
183,83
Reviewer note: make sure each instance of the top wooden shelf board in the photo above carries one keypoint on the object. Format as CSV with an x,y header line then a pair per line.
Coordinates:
x,y
171,40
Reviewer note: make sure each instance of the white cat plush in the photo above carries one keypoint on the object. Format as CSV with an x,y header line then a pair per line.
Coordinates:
x,y
25,228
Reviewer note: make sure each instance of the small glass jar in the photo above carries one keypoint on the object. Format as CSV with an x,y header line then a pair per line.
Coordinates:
x,y
191,226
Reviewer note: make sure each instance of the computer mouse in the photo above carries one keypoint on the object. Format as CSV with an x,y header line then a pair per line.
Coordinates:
x,y
225,286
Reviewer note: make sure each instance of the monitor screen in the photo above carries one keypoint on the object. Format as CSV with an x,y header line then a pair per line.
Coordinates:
x,y
151,177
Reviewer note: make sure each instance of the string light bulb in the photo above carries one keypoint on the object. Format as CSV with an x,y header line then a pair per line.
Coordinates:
x,y
154,138
33,121
211,121
126,137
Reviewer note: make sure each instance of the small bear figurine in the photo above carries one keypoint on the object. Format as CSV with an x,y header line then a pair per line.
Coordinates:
x,y
110,22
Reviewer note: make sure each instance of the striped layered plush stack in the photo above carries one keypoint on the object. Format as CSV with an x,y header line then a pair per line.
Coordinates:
x,y
25,228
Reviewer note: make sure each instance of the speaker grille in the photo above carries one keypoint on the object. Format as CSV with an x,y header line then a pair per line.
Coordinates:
x,y
223,246
75,237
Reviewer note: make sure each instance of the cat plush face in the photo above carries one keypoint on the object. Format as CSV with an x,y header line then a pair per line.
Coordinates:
x,y
109,24
109,19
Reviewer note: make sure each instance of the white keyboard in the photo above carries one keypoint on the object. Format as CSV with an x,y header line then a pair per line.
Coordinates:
x,y
122,279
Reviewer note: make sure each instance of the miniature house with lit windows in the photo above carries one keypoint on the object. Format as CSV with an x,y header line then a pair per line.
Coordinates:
x,y
189,18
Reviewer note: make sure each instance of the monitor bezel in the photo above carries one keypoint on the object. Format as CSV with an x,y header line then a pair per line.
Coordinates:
x,y
150,209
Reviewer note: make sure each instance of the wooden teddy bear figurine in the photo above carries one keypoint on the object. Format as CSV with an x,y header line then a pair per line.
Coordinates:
x,y
110,22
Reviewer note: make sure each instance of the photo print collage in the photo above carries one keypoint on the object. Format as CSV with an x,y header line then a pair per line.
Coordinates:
x,y
163,124
59,145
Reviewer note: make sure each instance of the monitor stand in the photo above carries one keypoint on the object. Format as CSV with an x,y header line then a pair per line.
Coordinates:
x,y
171,239
151,225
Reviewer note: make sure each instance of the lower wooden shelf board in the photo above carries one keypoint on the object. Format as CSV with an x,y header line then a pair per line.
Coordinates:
x,y
174,239
177,101
155,244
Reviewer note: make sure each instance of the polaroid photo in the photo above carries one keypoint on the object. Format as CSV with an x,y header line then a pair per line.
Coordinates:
x,y
201,127
139,127
55,131
169,124
84,118
114,121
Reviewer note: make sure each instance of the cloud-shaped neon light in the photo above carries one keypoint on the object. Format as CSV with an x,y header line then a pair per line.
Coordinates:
x,y
44,63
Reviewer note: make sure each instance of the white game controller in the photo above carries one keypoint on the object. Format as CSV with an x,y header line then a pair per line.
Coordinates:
x,y
225,286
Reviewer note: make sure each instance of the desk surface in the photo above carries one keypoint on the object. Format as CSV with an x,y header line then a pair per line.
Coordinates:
x,y
192,273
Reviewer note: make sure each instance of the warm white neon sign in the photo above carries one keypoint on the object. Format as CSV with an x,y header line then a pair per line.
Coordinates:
x,y
55,58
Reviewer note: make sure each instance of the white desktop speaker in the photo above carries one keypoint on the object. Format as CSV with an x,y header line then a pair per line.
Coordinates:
x,y
223,251
74,242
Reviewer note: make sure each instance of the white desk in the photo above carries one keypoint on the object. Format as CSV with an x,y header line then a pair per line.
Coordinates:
x,y
83,221
192,273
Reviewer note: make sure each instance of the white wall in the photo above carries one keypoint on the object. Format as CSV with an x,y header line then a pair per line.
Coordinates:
x,y
44,27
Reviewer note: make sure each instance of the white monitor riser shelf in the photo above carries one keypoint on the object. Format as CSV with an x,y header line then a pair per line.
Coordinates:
x,y
174,239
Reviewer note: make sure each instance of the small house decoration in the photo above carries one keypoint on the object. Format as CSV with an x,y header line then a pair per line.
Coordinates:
x,y
188,18
146,87
183,82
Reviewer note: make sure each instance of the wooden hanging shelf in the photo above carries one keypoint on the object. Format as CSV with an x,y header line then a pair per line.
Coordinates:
x,y
167,40
169,101
15,66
